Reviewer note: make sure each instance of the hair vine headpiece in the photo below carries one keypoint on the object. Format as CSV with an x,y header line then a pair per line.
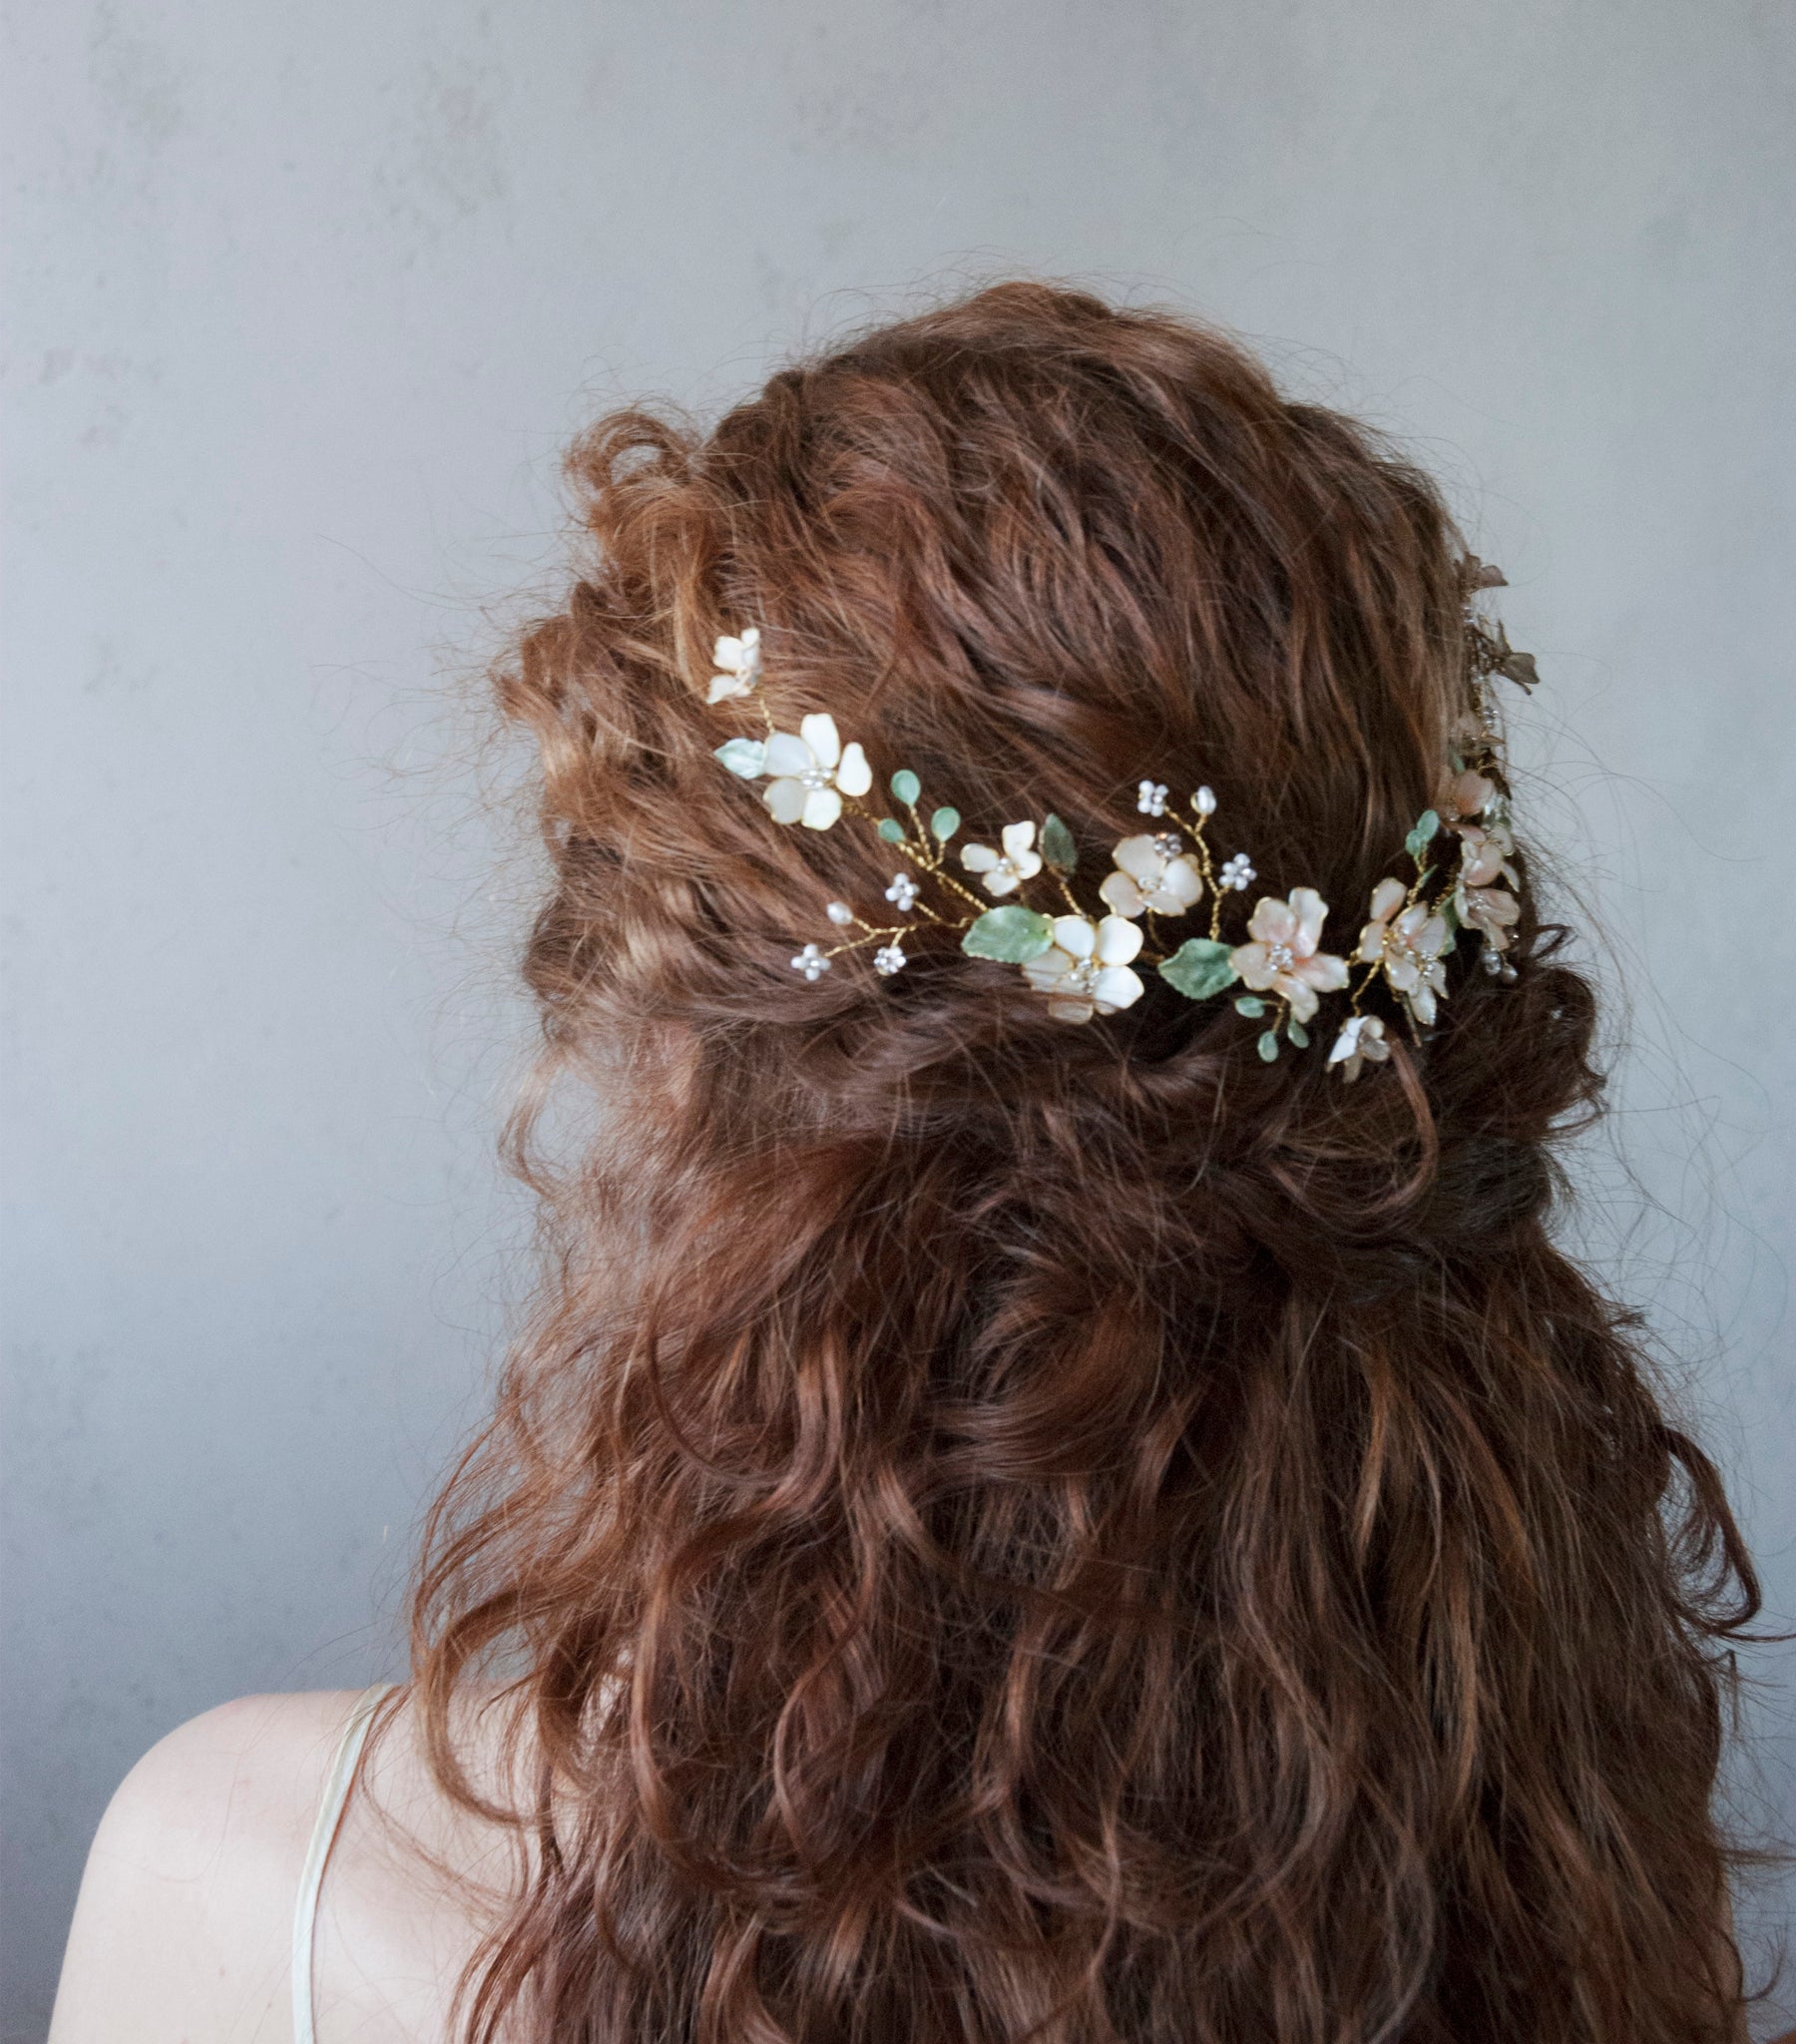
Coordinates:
x,y
1082,958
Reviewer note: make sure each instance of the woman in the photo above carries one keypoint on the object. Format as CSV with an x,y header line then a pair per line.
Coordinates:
x,y
1059,1485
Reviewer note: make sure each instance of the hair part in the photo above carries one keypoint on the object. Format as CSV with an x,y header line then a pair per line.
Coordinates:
x,y
1005,1531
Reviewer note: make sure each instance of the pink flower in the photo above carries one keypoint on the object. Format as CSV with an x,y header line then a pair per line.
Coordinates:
x,y
1282,957
1485,854
1486,846
1489,910
1406,943
1467,796
1152,872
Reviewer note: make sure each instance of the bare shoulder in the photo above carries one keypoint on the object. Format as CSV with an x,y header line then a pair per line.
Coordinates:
x,y
184,1920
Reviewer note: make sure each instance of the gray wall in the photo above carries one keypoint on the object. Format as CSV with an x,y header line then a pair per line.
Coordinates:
x,y
302,303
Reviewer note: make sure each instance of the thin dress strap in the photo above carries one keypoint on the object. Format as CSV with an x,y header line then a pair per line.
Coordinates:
x,y
325,1831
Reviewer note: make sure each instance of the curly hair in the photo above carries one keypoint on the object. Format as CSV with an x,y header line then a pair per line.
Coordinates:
x,y
1002,1530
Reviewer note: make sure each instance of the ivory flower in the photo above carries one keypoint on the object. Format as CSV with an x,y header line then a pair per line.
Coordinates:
x,y
903,893
1003,873
1282,957
1152,873
1407,944
1088,971
1150,799
739,661
1238,872
812,774
1361,1041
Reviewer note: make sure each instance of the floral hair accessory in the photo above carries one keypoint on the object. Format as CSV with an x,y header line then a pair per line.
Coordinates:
x,y
1003,873
1085,971
1361,1042
1461,881
812,774
739,661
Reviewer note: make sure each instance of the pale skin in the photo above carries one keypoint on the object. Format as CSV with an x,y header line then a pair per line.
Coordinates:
x,y
183,1931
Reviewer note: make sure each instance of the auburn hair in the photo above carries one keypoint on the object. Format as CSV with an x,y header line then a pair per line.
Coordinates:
x,y
999,1530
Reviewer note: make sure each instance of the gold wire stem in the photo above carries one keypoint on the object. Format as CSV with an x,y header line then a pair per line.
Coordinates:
x,y
872,936
948,880
920,852
1356,994
1207,865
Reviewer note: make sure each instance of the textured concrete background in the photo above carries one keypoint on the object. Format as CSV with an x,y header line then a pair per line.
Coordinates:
x,y
302,303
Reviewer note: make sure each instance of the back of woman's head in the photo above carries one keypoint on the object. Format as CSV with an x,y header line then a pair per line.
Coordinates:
x,y
1013,1529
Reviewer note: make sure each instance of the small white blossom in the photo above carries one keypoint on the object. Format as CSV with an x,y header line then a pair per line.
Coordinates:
x,y
1407,944
811,962
1205,801
739,661
839,912
1282,957
1237,873
1003,873
889,959
1088,971
811,773
1152,799
1152,873
903,893
1361,1041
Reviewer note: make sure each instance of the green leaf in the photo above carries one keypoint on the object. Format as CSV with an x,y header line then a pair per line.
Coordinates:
x,y
1058,847
1421,836
1013,935
945,823
744,756
1268,1045
1198,968
1297,1033
1250,1005
1449,912
905,785
891,832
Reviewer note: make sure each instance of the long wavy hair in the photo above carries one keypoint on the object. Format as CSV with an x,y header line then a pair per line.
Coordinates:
x,y
999,1530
